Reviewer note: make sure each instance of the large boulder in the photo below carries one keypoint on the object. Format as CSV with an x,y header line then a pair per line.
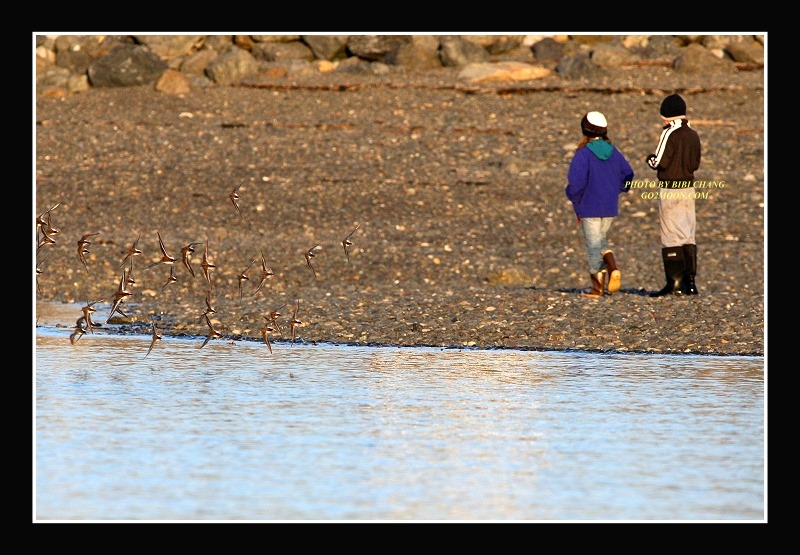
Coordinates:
x,y
127,65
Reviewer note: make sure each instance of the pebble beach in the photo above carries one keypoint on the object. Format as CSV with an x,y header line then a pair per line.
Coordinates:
x,y
451,196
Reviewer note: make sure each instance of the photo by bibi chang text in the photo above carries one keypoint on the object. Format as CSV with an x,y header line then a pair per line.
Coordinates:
x,y
674,189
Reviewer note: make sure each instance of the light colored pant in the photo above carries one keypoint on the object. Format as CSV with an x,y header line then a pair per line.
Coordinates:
x,y
595,234
677,217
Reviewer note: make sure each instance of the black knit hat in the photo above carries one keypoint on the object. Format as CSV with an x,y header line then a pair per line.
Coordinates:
x,y
673,106
594,124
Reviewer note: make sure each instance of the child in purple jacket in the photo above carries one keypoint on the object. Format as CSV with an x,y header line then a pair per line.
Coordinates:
x,y
598,174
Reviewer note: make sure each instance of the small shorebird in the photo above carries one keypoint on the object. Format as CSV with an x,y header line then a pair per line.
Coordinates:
x,y
38,272
234,196
87,314
272,319
209,309
120,295
295,322
265,331
207,265
242,277
79,331
212,332
309,254
171,279
186,255
129,281
266,273
83,248
156,338
43,221
133,250
347,243
165,258
45,239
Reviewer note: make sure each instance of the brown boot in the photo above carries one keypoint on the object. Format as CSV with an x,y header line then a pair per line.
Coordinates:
x,y
614,275
598,280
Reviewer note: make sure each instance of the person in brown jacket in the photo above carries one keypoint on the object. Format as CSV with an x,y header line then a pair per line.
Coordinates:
x,y
675,160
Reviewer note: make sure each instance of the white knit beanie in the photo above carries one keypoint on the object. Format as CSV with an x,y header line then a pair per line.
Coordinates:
x,y
594,124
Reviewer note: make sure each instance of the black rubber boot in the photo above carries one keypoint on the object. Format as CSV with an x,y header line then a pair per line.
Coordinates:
x,y
690,262
674,270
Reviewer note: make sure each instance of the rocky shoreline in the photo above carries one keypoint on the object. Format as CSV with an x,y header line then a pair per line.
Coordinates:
x,y
465,238
178,64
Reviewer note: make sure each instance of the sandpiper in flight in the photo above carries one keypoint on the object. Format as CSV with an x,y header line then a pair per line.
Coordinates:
x,y
38,272
133,250
156,337
213,333
207,265
83,248
171,279
165,258
43,221
295,322
87,314
265,331
78,332
120,295
242,277
272,318
234,196
347,243
209,309
309,254
266,273
186,255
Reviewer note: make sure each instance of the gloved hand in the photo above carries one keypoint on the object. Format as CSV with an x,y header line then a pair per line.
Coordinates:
x,y
651,161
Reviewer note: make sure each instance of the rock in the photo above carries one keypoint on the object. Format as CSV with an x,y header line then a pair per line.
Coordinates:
x,y
126,66
577,67
694,58
219,57
231,67
327,47
459,52
173,82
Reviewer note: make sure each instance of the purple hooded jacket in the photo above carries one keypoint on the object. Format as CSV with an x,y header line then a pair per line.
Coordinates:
x,y
597,175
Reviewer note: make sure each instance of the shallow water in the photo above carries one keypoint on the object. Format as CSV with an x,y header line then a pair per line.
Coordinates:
x,y
326,432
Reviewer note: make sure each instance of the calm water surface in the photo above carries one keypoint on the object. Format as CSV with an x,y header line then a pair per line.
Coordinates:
x,y
325,432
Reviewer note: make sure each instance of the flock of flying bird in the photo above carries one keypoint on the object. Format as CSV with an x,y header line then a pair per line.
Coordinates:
x,y
45,235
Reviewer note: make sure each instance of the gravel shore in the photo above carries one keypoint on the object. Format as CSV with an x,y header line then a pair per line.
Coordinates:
x,y
464,236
